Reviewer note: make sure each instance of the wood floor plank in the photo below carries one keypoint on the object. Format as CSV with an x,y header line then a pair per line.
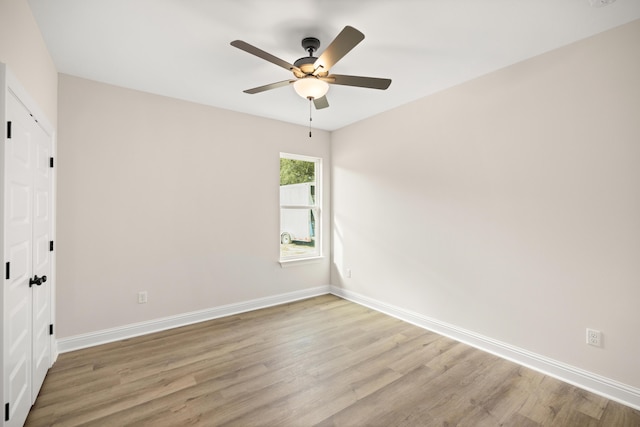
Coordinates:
x,y
323,361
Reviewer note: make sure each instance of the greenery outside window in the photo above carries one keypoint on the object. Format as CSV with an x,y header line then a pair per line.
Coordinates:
x,y
300,207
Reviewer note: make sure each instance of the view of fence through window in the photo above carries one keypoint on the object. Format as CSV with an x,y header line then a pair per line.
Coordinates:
x,y
299,207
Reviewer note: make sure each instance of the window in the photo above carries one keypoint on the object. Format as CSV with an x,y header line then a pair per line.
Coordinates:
x,y
300,203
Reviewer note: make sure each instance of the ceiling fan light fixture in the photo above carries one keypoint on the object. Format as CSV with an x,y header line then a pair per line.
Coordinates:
x,y
311,87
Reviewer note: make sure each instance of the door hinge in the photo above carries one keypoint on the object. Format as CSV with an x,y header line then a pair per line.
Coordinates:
x,y
51,329
51,246
50,162
8,130
7,273
6,411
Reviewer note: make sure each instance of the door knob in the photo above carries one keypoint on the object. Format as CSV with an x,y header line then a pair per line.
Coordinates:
x,y
37,280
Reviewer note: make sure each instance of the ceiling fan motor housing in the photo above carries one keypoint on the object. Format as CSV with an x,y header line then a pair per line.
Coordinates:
x,y
306,64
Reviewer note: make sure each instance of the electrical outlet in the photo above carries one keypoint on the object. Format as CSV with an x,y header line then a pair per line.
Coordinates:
x,y
348,272
594,337
142,297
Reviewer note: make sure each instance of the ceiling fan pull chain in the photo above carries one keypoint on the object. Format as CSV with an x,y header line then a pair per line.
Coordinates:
x,y
310,110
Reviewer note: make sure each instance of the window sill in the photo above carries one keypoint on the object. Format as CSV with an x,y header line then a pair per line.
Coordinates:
x,y
286,263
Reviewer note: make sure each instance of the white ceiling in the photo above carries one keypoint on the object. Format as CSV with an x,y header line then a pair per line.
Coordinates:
x,y
180,48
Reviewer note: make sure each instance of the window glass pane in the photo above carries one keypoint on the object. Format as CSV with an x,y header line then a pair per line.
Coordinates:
x,y
297,233
294,171
299,209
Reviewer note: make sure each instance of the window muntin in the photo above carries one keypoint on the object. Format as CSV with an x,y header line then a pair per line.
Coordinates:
x,y
300,206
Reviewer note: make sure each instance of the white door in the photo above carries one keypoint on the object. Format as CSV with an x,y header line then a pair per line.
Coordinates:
x,y
27,306
41,260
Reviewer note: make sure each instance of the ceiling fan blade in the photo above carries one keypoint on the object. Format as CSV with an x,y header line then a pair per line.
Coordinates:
x,y
268,87
348,38
264,55
321,103
359,81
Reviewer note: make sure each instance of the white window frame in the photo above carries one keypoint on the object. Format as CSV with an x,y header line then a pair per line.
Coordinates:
x,y
316,208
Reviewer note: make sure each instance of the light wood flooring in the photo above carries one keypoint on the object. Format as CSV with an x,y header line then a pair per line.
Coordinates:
x,y
322,361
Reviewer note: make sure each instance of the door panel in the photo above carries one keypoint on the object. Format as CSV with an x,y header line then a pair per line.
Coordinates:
x,y
41,259
18,250
19,196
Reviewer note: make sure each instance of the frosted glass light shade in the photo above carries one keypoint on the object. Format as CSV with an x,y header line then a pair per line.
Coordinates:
x,y
311,87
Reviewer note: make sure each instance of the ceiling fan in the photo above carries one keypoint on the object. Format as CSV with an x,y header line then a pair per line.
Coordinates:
x,y
311,74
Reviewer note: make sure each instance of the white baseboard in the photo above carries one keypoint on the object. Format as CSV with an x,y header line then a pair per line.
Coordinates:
x,y
132,330
606,387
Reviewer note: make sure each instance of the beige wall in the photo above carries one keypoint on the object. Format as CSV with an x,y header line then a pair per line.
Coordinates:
x,y
23,50
508,206
174,198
